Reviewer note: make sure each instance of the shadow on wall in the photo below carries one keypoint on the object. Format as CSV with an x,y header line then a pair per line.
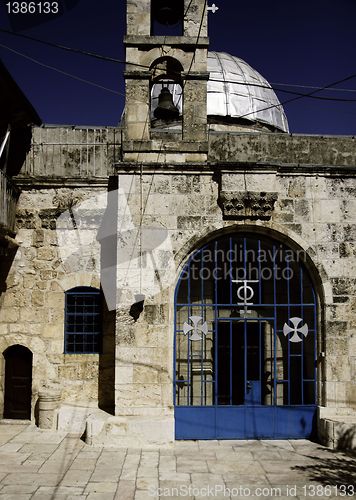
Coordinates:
x,y
337,469
347,440
106,382
7,255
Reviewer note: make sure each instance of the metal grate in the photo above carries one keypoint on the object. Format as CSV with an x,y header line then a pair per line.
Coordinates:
x,y
82,321
245,326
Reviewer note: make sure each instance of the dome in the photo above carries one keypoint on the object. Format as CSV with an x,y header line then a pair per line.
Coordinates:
x,y
236,90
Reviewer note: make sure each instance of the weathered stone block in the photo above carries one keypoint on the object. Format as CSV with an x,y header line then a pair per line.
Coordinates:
x,y
9,314
296,187
181,184
46,253
81,369
302,210
138,395
55,300
29,280
38,238
192,222
347,249
285,205
37,298
145,374
154,314
336,328
350,232
343,286
327,211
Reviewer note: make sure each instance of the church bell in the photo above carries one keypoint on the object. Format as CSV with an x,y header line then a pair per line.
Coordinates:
x,y
166,110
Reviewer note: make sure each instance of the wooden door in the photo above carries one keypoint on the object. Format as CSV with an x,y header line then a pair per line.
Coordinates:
x,y
18,383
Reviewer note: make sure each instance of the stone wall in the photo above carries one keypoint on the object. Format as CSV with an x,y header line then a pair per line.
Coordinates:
x,y
32,308
310,211
310,207
65,170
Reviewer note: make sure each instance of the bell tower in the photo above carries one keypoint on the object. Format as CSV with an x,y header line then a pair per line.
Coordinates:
x,y
166,81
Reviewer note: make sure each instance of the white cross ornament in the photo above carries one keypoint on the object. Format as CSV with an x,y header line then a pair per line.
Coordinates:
x,y
213,8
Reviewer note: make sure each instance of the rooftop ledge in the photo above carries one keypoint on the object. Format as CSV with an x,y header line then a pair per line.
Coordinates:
x,y
282,149
166,40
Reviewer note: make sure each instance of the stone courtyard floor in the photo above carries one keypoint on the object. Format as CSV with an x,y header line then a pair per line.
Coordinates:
x,y
46,465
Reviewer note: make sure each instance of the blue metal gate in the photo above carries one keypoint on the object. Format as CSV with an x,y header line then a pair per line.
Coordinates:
x,y
245,342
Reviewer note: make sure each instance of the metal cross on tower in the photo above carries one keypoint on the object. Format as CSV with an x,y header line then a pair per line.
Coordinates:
x,y
213,8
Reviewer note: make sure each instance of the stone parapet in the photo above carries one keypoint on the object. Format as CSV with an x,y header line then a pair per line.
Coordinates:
x,y
282,149
72,153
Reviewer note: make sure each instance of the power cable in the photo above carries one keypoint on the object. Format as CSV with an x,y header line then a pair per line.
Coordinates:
x,y
310,87
111,59
187,9
83,80
71,49
299,97
89,82
270,87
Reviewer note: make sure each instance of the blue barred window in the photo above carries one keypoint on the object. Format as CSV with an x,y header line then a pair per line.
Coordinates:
x,y
82,330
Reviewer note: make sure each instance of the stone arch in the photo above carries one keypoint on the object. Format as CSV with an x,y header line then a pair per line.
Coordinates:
x,y
42,370
278,232
167,85
320,279
212,325
155,54
167,65
18,382
79,279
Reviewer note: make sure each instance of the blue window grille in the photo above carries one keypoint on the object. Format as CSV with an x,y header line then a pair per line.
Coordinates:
x,y
82,331
245,326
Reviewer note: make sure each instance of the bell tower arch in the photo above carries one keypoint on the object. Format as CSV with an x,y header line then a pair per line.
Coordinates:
x,y
166,66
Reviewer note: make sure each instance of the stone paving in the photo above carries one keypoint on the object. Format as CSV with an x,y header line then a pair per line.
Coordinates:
x,y
44,465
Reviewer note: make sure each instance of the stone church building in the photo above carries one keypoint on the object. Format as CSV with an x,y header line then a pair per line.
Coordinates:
x,y
190,274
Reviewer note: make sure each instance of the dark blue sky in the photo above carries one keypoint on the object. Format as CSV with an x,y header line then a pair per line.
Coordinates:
x,y
309,43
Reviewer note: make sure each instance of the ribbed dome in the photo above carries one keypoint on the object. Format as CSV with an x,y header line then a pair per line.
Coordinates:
x,y
235,89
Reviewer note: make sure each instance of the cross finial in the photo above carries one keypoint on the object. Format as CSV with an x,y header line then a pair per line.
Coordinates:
x,y
213,8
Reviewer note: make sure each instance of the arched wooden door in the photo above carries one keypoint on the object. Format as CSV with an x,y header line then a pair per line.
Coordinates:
x,y
18,382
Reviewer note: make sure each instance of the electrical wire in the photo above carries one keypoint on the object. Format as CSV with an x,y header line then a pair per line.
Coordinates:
x,y
310,87
118,61
115,92
271,87
71,49
65,73
187,9
299,97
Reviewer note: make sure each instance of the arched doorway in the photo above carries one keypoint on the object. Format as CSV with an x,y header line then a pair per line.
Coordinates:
x,y
245,342
18,382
